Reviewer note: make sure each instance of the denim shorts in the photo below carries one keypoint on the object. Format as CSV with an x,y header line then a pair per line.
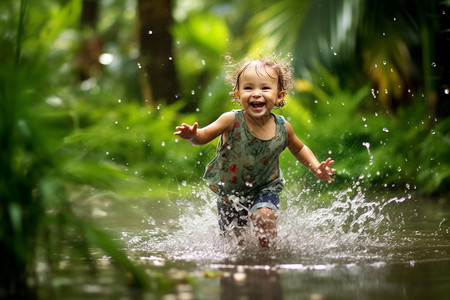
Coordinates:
x,y
232,215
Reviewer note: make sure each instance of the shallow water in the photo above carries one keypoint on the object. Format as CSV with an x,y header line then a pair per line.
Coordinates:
x,y
355,246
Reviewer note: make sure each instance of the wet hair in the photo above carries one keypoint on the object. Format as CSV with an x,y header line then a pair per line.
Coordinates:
x,y
283,70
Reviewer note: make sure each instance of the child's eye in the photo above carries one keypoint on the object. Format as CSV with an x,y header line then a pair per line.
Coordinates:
x,y
247,88
266,88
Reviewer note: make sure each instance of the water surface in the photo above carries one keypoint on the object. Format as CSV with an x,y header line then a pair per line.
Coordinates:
x,y
357,245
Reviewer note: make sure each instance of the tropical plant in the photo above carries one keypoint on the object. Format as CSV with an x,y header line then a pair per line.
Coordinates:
x,y
35,171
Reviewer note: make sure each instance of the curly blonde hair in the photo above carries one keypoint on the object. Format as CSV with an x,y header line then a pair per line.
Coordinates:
x,y
283,69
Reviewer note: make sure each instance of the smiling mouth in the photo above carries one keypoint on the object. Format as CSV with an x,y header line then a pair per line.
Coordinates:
x,y
257,104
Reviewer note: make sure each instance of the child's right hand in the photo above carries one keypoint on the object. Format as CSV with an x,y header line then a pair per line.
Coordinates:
x,y
186,131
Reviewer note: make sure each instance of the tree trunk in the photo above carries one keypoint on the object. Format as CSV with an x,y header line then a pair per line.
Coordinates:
x,y
86,58
158,75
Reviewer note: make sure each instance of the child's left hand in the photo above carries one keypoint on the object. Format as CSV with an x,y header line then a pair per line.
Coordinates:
x,y
324,170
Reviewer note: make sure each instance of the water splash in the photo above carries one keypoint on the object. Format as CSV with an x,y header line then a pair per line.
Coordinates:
x,y
351,226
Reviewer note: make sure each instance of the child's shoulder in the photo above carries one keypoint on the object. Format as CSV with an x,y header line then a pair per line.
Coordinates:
x,y
229,115
279,118
226,120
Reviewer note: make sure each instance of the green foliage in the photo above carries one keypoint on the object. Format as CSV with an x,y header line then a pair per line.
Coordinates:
x,y
372,146
274,26
35,169
202,40
63,139
138,141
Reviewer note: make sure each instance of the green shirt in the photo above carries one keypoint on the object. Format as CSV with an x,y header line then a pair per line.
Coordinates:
x,y
246,164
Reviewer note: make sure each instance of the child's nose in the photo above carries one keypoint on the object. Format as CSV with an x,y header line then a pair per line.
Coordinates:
x,y
256,93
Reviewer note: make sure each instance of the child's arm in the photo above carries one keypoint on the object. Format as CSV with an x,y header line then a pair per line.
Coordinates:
x,y
204,135
322,170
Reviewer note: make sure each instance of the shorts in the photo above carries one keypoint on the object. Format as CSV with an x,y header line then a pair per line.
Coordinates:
x,y
232,215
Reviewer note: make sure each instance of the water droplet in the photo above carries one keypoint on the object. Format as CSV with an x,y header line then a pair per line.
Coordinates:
x,y
107,153
163,143
170,58
116,122
385,130
447,91
433,64
150,32
384,62
106,58
183,183
373,93
192,92
433,132
203,62
139,65
119,100
334,53
395,19
197,109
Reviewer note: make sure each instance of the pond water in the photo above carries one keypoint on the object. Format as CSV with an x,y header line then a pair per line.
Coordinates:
x,y
357,245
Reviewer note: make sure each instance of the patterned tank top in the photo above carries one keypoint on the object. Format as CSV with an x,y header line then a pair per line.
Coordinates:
x,y
245,164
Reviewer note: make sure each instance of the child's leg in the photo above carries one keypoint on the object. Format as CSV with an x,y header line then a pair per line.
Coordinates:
x,y
264,221
265,204
230,219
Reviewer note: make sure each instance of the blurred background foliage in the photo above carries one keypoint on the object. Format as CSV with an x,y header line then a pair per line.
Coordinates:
x,y
79,115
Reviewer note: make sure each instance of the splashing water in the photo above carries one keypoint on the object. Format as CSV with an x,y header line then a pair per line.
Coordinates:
x,y
350,227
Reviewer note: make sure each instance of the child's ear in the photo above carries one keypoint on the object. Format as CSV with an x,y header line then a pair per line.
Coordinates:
x,y
237,94
281,96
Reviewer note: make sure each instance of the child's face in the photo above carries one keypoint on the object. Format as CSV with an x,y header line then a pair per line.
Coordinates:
x,y
258,90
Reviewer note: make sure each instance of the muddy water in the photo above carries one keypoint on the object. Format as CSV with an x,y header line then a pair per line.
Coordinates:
x,y
354,246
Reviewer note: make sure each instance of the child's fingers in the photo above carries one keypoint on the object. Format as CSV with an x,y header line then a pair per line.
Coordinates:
x,y
183,127
329,161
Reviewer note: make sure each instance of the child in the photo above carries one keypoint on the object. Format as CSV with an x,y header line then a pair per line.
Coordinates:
x,y
245,171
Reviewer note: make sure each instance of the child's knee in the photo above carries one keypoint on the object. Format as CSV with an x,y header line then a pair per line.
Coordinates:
x,y
265,213
264,218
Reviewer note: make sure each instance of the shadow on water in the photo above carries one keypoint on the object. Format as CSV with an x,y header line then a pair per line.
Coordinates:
x,y
355,247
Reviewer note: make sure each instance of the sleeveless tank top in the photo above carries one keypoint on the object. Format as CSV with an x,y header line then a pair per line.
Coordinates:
x,y
245,164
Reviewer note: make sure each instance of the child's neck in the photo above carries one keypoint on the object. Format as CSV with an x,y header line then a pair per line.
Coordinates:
x,y
263,128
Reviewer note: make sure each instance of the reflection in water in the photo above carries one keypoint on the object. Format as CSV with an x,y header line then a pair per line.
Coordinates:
x,y
242,282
